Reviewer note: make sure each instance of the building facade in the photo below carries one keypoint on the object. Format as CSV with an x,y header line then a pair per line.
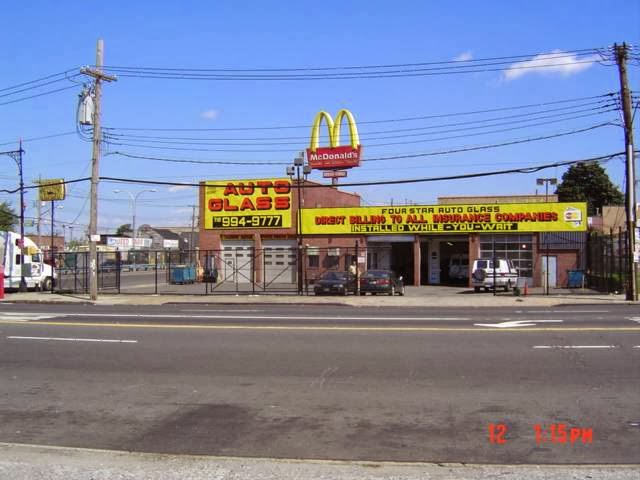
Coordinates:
x,y
259,230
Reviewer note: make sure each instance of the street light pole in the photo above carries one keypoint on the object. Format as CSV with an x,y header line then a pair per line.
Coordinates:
x,y
546,182
296,169
134,199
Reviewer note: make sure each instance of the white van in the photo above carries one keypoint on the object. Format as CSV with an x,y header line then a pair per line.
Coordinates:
x,y
485,270
37,274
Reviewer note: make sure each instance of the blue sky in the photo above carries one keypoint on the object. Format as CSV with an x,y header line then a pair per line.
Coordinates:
x,y
40,38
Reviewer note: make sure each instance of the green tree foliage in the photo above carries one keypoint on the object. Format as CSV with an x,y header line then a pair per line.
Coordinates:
x,y
588,182
124,229
8,218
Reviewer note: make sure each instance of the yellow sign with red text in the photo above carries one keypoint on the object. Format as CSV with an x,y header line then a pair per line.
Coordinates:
x,y
449,219
247,204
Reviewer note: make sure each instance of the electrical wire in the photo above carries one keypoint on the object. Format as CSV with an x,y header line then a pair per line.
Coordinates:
x,y
38,95
369,122
13,87
413,155
525,123
35,139
596,105
396,182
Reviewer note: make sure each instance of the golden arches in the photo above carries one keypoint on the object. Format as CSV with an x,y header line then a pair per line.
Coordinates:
x,y
334,129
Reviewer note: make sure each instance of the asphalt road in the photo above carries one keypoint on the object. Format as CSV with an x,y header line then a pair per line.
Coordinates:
x,y
326,382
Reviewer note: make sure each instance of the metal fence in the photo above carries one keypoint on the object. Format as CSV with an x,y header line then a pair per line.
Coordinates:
x,y
246,271
607,261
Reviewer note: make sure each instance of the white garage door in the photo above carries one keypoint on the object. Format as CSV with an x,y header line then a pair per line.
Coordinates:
x,y
237,259
279,261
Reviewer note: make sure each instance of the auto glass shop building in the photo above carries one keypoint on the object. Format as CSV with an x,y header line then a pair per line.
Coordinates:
x,y
249,230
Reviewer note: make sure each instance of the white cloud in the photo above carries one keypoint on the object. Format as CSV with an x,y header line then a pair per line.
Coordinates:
x,y
464,57
177,188
548,63
209,114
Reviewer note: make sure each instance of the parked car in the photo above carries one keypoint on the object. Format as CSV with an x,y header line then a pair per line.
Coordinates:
x,y
506,275
335,283
381,281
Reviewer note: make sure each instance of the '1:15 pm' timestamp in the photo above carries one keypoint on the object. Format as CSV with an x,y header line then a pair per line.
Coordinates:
x,y
554,433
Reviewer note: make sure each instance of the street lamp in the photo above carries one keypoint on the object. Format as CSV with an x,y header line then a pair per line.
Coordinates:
x,y
546,182
134,199
296,169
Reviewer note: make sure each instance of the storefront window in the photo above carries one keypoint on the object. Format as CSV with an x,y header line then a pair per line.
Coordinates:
x,y
517,248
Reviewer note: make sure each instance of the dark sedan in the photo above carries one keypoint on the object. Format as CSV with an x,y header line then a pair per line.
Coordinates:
x,y
335,283
381,281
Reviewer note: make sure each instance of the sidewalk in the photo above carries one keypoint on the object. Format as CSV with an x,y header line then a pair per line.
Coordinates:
x,y
426,296
30,462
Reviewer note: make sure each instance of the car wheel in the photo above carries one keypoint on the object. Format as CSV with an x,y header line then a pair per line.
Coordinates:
x,y
487,289
392,291
46,285
362,294
476,289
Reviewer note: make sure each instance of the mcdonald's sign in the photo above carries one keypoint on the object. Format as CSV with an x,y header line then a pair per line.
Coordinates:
x,y
334,156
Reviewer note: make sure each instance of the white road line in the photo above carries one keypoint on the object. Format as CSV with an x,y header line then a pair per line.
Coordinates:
x,y
637,346
237,317
594,347
61,339
635,319
562,311
515,323
218,310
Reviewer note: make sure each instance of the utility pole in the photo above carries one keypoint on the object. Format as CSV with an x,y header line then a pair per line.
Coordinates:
x,y
621,52
95,159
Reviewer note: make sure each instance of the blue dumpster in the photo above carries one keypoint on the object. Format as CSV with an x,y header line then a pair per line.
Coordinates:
x,y
575,278
182,274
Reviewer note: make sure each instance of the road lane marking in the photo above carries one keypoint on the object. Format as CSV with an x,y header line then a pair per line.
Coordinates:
x,y
637,346
247,317
635,319
24,317
218,310
516,323
562,311
594,347
62,339
324,328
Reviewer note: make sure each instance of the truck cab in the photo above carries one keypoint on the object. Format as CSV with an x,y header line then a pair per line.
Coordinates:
x,y
37,274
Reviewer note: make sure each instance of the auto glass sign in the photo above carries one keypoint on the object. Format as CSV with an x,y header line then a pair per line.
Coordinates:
x,y
247,204
476,218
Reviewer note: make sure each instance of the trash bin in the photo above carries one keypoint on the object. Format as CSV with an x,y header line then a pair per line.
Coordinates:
x,y
181,274
575,278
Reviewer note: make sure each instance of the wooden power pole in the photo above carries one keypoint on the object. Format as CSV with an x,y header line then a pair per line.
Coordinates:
x,y
97,74
621,52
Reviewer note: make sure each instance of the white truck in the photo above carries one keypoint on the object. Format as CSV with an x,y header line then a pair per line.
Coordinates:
x,y
37,274
485,270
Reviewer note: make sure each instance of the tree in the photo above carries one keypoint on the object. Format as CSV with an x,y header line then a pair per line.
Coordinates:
x,y
8,218
124,229
588,182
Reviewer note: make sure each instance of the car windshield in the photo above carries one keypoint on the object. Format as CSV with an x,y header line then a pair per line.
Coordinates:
x,y
334,276
377,274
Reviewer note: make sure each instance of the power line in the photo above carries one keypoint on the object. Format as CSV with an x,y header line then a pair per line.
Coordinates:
x,y
13,87
396,182
39,95
369,122
40,85
544,60
567,110
352,67
374,159
525,123
35,139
